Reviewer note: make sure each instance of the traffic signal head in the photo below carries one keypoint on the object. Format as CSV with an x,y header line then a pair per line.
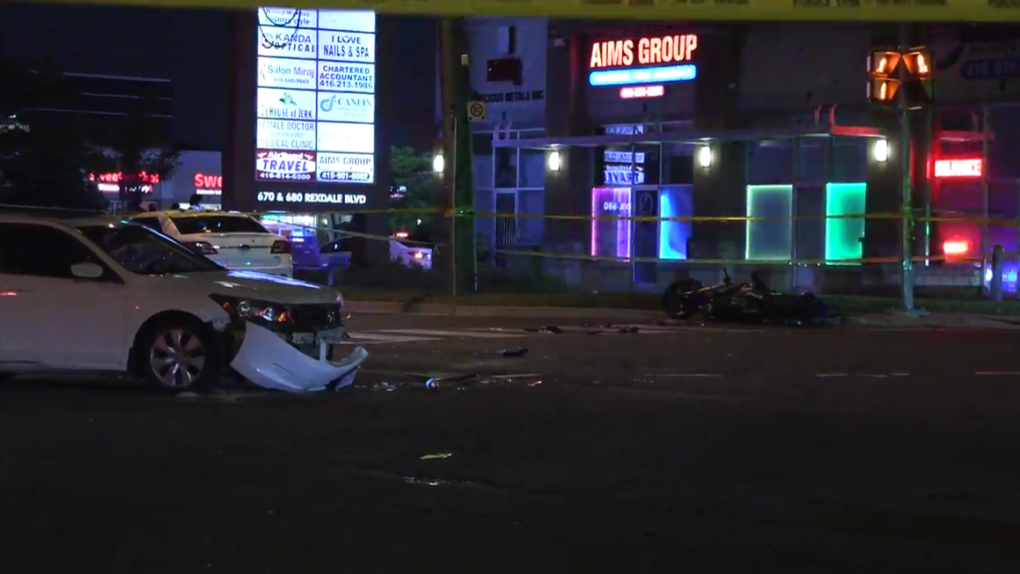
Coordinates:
x,y
883,63
883,90
919,63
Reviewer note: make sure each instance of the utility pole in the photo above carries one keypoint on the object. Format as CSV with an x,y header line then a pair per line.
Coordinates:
x,y
458,179
907,250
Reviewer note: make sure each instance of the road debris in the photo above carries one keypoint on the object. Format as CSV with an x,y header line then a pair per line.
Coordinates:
x,y
516,352
436,456
547,329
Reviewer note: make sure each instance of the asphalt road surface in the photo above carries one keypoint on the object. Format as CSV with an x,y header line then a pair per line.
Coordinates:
x,y
601,449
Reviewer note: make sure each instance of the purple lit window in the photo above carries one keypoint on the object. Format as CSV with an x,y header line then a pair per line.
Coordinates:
x,y
609,237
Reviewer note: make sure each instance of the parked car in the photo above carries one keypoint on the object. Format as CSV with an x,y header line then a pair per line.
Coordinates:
x,y
101,295
234,240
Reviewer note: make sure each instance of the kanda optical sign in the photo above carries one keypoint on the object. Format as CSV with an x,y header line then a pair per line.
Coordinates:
x,y
315,96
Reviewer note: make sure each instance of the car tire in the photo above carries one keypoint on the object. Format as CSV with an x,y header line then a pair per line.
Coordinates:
x,y
178,354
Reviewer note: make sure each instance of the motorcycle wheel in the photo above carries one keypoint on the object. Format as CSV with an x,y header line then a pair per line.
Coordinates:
x,y
677,303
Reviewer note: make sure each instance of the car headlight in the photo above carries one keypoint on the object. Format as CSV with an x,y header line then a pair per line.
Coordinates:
x,y
262,312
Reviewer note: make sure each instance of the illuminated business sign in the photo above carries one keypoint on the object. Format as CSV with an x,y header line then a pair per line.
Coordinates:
x,y
276,165
959,168
110,182
208,184
309,198
286,73
315,96
345,167
654,60
630,92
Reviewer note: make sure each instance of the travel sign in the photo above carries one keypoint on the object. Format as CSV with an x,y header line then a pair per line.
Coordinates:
x,y
647,60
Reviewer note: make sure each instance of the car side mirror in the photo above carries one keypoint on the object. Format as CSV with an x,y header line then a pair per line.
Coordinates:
x,y
86,271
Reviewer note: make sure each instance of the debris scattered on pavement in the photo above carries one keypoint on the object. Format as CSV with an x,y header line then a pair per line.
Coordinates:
x,y
516,352
535,383
547,329
436,456
432,384
627,330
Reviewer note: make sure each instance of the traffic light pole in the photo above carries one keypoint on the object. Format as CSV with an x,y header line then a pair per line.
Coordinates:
x,y
907,247
458,179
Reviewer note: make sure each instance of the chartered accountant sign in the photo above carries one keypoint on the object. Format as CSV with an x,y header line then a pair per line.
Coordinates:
x,y
718,10
315,96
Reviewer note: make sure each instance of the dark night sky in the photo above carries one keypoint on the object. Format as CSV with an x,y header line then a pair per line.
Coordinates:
x,y
189,48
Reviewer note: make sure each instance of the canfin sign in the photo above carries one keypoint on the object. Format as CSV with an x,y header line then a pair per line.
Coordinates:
x,y
719,10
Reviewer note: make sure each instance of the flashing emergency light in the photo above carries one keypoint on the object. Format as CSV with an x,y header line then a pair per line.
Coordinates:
x,y
955,247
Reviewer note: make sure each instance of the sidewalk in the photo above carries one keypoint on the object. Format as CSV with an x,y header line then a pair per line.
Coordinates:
x,y
932,320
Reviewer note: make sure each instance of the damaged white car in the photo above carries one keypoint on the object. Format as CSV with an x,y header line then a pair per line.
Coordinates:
x,y
97,295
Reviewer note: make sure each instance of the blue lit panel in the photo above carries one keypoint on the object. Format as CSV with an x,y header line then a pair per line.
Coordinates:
x,y
673,235
653,75
1009,277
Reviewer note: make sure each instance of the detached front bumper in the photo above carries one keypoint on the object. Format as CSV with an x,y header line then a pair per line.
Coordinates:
x,y
269,361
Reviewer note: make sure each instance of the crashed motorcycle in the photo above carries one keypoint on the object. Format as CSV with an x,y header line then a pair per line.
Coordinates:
x,y
684,299
753,302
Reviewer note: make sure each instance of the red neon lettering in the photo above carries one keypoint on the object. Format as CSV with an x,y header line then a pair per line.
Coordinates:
x,y
959,168
208,181
650,51
117,177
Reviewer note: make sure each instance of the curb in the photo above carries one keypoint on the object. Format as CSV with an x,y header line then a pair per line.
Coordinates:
x,y
445,310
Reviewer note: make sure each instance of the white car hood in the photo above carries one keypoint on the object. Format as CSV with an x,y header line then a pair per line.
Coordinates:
x,y
268,287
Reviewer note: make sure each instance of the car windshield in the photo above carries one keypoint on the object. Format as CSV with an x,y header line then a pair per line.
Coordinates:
x,y
146,252
188,225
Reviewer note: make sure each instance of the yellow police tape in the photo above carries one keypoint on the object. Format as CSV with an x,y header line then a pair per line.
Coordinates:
x,y
719,10
627,260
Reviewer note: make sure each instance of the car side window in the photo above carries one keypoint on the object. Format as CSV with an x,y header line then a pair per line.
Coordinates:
x,y
150,222
40,251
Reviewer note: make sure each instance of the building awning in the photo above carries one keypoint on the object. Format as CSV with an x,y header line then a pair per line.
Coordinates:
x,y
691,137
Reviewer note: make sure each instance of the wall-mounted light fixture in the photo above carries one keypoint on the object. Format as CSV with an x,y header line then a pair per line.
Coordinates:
x,y
705,156
880,151
438,163
554,161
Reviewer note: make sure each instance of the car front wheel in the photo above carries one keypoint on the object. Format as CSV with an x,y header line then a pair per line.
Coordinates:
x,y
178,355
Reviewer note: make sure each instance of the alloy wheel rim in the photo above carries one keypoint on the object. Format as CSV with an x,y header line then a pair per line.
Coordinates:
x,y
177,358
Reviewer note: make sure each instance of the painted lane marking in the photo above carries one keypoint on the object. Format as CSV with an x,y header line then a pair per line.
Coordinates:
x,y
461,333
998,373
830,375
678,375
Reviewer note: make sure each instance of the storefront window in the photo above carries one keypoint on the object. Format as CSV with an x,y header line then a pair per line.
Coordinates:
x,y
812,160
843,234
482,160
674,201
771,161
849,160
770,238
530,205
506,167
532,168
610,237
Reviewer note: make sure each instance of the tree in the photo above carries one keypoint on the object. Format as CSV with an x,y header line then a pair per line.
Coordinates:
x,y
41,164
139,152
412,175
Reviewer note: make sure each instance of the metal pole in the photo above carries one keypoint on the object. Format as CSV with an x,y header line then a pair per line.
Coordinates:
x,y
447,70
907,252
454,252
933,145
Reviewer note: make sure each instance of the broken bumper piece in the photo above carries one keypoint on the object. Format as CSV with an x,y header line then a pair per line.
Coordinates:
x,y
270,362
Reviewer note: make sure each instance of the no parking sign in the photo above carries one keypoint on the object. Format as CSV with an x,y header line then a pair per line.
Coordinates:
x,y
476,111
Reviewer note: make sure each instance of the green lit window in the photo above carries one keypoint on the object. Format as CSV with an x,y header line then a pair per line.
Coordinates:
x,y
843,234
